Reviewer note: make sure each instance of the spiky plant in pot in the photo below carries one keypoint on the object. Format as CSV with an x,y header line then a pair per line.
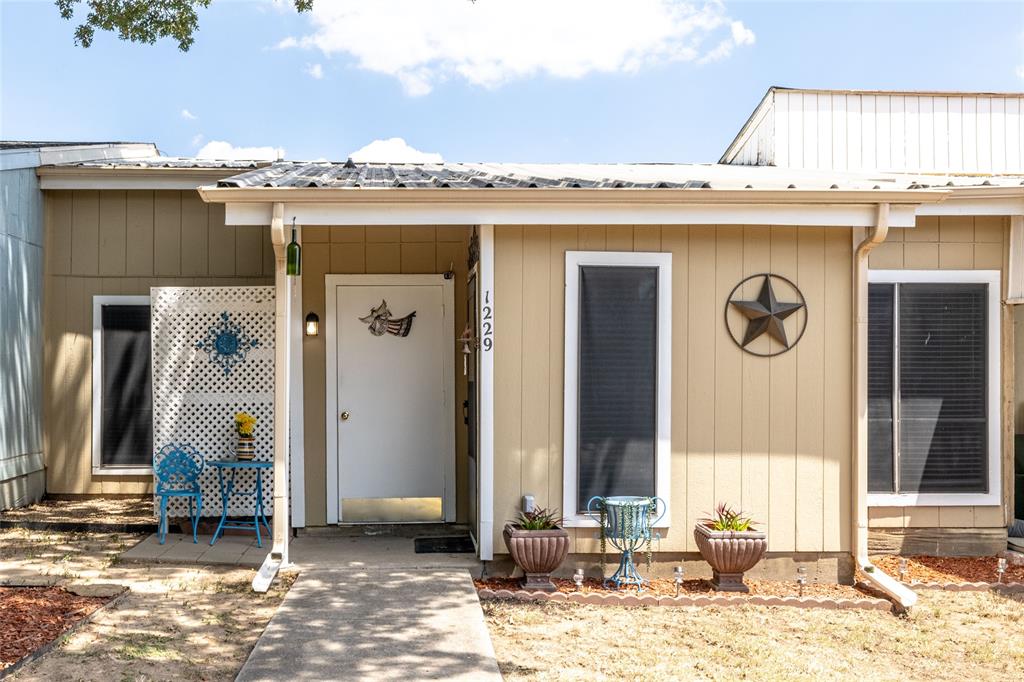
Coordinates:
x,y
538,544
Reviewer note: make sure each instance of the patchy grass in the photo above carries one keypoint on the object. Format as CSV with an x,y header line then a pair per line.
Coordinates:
x,y
177,623
950,636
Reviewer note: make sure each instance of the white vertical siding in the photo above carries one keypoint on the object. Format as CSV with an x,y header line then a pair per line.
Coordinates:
x,y
886,131
21,353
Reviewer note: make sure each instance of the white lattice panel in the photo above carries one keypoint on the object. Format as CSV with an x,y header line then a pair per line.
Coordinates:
x,y
213,356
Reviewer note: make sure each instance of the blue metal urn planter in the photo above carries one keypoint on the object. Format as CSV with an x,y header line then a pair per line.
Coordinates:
x,y
627,523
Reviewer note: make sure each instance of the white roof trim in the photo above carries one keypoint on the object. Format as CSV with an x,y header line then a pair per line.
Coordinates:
x,y
527,212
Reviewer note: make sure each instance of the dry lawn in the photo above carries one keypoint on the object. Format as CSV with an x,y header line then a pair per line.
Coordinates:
x,y
949,636
178,623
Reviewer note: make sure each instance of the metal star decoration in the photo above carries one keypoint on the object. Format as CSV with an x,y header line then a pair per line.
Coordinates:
x,y
766,314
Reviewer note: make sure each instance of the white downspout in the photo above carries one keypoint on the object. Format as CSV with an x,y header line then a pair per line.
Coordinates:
x,y
900,593
278,555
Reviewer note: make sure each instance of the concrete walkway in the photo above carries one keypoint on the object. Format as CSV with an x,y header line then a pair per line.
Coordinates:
x,y
378,624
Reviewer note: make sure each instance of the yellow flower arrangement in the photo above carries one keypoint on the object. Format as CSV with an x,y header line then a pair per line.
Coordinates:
x,y
244,424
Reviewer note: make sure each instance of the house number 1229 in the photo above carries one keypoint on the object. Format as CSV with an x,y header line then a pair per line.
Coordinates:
x,y
487,324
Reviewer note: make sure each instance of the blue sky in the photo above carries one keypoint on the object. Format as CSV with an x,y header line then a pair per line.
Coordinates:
x,y
646,80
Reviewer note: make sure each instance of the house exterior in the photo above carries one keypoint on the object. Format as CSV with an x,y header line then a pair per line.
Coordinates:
x,y
22,479
493,332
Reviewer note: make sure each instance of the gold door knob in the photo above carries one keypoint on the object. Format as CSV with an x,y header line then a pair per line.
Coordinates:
x,y
344,416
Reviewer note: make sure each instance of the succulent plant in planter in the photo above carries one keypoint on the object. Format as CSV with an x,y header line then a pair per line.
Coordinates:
x,y
730,543
538,545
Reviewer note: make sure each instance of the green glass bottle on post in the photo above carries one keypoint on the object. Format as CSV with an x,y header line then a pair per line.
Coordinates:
x,y
293,256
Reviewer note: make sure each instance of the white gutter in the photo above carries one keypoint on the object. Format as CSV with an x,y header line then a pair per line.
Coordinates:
x,y
278,556
897,591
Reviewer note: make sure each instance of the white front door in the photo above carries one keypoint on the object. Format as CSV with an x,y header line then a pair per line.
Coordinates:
x,y
394,422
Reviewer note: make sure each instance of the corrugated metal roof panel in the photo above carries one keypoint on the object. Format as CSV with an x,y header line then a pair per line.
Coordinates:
x,y
288,174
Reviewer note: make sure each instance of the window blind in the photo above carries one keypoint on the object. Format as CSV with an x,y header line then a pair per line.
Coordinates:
x,y
617,406
127,396
942,388
927,346
881,302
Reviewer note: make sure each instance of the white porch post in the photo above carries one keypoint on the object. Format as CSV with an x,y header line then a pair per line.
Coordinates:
x,y
278,555
486,313
297,431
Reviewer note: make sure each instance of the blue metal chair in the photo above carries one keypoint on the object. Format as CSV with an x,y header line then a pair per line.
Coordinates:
x,y
177,469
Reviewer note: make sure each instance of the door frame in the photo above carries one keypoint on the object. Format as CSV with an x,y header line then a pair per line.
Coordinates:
x,y
331,284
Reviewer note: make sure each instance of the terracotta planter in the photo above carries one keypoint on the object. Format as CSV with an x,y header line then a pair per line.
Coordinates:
x,y
538,553
731,554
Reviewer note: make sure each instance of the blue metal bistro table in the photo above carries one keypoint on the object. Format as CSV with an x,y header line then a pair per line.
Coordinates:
x,y
227,489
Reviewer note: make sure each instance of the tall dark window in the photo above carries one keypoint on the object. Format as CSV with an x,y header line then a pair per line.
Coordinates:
x,y
927,388
126,397
617,405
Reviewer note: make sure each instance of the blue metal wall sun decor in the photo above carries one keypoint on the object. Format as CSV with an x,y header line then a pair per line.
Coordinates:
x,y
226,343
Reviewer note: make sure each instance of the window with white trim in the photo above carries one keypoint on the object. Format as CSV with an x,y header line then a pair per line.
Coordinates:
x,y
933,387
618,309
122,423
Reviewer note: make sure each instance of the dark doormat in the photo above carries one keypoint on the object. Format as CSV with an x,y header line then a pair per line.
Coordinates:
x,y
451,544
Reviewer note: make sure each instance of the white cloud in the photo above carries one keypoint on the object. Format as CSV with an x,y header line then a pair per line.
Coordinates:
x,y
495,41
393,150
188,115
315,70
739,35
218,149
198,139
1020,71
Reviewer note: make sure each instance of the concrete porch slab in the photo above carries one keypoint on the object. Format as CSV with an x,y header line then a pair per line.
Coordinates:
x,y
231,550
309,552
375,624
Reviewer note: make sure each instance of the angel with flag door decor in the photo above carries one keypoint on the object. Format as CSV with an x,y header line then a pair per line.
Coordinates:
x,y
381,322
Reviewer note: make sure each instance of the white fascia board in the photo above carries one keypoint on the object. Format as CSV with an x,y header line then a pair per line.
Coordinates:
x,y
135,179
995,205
527,213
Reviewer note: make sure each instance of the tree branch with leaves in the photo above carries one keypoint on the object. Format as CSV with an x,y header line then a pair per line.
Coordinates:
x,y
143,21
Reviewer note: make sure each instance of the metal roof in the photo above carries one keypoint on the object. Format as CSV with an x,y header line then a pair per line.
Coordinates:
x,y
349,175
23,144
169,162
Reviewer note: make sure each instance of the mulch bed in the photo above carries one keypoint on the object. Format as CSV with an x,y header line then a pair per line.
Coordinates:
x,y
930,569
661,587
31,617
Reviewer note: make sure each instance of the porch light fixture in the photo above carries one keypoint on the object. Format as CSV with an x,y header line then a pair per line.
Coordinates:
x,y
312,325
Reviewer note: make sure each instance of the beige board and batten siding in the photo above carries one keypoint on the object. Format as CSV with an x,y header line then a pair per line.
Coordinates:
x,y
770,435
952,243
379,249
122,243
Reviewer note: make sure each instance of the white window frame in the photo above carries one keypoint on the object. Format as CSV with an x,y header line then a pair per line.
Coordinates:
x,y
994,413
97,387
663,448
